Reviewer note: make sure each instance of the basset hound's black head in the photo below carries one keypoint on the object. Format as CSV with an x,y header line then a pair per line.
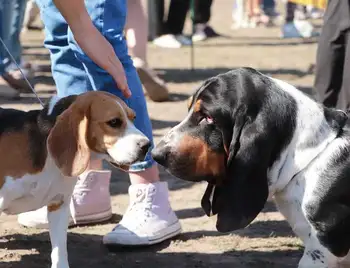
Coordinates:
x,y
237,125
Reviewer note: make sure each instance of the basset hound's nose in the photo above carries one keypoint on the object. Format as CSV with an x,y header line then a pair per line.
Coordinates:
x,y
160,153
144,146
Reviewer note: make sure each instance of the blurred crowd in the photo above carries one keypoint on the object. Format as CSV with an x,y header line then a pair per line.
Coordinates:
x,y
152,21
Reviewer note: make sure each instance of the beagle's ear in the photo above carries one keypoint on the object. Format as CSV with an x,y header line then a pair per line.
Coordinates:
x,y
244,191
67,142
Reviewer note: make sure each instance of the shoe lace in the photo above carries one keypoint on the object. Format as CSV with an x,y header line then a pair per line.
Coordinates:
x,y
142,204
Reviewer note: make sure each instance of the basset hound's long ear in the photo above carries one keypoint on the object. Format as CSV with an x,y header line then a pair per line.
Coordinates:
x,y
244,191
67,141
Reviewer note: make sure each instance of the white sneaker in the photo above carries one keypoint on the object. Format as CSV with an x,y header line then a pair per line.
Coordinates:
x,y
148,220
298,29
172,41
167,41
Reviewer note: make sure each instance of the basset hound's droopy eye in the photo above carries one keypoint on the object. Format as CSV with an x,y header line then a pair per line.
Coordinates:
x,y
206,119
203,117
115,123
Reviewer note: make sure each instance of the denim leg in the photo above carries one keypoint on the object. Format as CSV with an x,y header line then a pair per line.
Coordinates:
x,y
268,4
68,72
6,14
12,16
74,72
2,50
19,8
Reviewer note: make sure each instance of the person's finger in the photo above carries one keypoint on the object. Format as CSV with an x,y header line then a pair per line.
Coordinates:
x,y
119,76
125,90
122,84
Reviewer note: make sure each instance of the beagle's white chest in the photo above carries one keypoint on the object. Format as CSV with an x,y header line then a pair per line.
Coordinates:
x,y
32,192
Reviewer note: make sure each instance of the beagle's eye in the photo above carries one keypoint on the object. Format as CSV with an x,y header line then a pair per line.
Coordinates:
x,y
115,123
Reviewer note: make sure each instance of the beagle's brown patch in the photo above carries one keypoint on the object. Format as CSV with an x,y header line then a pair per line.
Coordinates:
x,y
85,127
82,127
17,157
100,136
206,161
54,206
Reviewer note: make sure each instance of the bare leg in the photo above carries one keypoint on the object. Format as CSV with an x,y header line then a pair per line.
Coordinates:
x,y
137,37
137,29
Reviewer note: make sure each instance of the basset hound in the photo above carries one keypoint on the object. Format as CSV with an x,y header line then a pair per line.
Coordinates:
x,y
252,137
43,152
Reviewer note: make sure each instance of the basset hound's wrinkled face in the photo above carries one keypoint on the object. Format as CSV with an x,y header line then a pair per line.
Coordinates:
x,y
96,124
227,139
194,149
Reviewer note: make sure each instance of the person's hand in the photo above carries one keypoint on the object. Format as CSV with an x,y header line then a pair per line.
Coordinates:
x,y
102,53
92,42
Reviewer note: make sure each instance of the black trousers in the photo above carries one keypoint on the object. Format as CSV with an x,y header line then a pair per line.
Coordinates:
x,y
178,10
155,18
332,81
290,9
175,21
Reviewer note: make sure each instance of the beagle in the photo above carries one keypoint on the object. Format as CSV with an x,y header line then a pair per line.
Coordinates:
x,y
252,137
43,152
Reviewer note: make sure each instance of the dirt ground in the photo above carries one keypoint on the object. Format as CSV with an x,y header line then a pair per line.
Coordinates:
x,y
267,242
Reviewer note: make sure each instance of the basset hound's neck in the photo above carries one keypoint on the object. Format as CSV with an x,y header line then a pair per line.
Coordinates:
x,y
316,127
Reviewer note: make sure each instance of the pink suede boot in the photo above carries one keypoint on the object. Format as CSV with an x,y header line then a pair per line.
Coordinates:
x,y
90,202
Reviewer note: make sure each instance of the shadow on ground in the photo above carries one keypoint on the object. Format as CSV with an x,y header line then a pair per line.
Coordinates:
x,y
266,229
86,250
198,212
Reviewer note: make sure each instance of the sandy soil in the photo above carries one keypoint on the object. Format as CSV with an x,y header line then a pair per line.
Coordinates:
x,y
268,242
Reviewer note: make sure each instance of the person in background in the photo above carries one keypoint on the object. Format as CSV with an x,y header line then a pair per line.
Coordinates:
x,y
32,12
332,80
172,31
255,13
269,8
11,22
202,14
293,28
249,14
136,29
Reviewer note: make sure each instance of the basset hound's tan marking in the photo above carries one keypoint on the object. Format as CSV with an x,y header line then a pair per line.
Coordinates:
x,y
197,106
207,162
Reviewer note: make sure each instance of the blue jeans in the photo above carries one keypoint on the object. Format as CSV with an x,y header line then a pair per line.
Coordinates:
x,y
11,21
74,72
268,4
